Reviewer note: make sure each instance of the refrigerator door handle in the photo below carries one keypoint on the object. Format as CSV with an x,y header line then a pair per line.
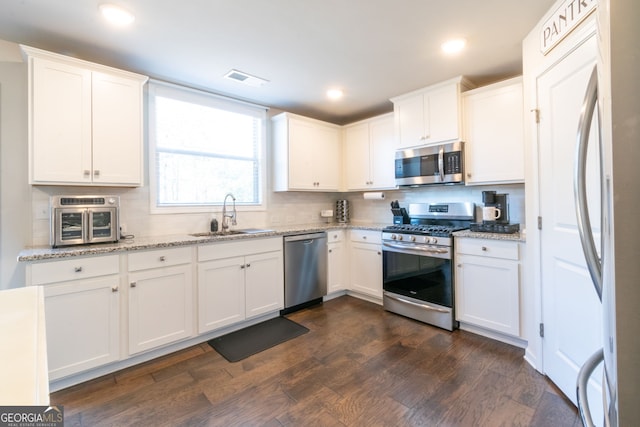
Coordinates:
x,y
580,186
581,386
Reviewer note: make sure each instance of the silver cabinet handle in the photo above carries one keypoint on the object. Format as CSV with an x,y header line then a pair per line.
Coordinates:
x,y
87,172
242,267
162,258
96,173
594,264
78,269
114,289
485,249
248,265
133,284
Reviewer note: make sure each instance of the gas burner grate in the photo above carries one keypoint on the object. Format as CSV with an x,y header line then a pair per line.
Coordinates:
x,y
426,229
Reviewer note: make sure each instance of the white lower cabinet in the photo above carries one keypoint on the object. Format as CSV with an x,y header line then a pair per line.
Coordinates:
x,y
365,257
238,281
160,298
337,262
82,312
487,284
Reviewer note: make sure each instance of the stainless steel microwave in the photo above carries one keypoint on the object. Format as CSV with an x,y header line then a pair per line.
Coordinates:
x,y
432,164
77,220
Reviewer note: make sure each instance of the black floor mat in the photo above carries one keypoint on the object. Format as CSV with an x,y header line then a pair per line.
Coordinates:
x,y
241,344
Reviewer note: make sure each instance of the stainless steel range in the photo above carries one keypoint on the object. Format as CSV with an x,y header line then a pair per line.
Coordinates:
x,y
417,262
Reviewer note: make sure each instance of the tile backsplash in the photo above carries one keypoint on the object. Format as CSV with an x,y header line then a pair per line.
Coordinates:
x,y
286,208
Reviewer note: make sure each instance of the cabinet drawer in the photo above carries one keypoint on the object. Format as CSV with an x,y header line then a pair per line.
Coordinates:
x,y
73,269
223,250
488,248
335,236
366,236
159,258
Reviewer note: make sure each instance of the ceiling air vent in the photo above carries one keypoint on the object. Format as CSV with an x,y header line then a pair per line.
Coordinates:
x,y
244,78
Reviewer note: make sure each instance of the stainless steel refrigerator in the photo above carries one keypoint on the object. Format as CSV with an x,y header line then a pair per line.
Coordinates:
x,y
613,94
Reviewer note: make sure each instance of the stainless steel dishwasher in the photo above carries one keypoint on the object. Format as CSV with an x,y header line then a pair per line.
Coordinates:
x,y
305,270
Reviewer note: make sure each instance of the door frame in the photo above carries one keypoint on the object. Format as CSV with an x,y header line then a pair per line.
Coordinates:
x,y
534,65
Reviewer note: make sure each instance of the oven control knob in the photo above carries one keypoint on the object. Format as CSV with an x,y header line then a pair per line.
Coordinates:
x,y
432,240
400,237
413,238
393,237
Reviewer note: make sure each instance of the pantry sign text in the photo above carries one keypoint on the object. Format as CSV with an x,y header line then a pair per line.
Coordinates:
x,y
563,20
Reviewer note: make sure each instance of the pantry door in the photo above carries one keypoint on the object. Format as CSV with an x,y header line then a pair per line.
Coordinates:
x,y
571,309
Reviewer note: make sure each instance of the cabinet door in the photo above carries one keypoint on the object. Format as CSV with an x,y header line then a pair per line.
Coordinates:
x,y
302,149
410,119
264,283
60,128
326,159
382,151
491,156
488,293
337,276
160,307
83,325
366,269
117,130
221,293
357,159
443,114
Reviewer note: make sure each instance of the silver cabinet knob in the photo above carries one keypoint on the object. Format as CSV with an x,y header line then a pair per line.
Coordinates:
x,y
484,249
78,269
114,289
133,284
162,258
96,173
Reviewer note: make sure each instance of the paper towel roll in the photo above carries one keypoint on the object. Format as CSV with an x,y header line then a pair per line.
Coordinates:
x,y
374,195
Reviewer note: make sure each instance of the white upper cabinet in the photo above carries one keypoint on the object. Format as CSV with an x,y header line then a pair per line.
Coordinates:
x,y
369,150
494,133
85,122
306,154
430,115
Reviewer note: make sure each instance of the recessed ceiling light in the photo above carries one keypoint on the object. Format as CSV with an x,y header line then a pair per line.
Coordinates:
x,y
335,94
116,14
453,46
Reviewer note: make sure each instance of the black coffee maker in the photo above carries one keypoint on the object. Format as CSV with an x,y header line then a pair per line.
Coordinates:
x,y
500,201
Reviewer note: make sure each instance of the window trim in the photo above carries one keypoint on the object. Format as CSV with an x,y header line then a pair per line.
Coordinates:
x,y
229,104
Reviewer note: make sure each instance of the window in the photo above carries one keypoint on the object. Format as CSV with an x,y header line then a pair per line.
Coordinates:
x,y
201,147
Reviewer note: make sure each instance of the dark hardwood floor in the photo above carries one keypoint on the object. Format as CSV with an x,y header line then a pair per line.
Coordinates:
x,y
358,366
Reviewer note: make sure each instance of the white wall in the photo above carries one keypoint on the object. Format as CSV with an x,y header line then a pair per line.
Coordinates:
x,y
15,194
24,219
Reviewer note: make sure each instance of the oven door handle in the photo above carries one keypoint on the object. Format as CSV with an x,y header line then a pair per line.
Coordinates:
x,y
427,306
427,249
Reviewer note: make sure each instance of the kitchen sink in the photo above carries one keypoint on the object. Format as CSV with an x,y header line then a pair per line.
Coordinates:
x,y
231,232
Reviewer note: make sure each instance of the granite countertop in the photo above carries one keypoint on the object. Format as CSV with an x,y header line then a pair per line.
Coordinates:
x,y
517,237
142,243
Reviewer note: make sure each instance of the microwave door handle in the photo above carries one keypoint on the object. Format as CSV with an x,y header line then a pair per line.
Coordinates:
x,y
441,163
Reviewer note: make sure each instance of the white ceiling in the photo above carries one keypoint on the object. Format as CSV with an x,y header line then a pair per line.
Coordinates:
x,y
373,49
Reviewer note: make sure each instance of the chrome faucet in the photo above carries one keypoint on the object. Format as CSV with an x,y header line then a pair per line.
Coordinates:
x,y
226,216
